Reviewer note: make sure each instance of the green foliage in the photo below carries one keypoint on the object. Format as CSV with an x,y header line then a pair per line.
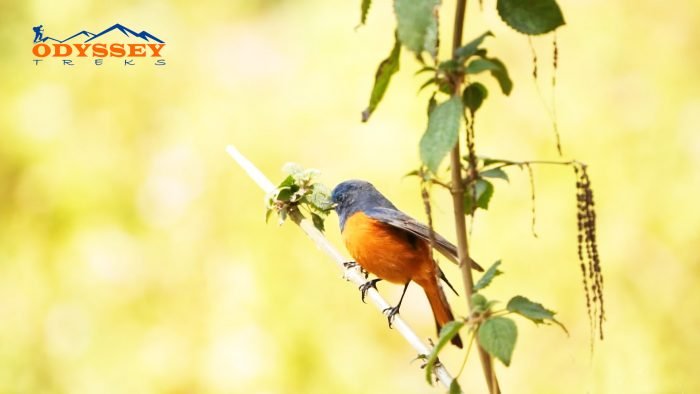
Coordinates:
x,y
447,332
417,25
364,9
417,30
478,196
442,132
465,52
497,335
480,304
533,311
473,96
488,276
531,16
496,67
495,173
299,190
386,69
454,387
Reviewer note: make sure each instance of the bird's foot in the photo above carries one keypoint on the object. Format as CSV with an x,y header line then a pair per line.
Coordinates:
x,y
366,286
391,313
353,264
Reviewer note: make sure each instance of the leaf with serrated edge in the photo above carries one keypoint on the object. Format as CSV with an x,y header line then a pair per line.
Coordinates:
x,y
386,69
532,310
417,24
442,132
488,276
531,17
497,335
447,332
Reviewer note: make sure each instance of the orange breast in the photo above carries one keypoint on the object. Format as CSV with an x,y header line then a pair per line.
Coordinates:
x,y
385,251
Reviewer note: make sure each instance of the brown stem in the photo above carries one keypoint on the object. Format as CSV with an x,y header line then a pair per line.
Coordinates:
x,y
458,205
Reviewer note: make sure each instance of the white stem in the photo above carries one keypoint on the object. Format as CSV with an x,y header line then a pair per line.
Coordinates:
x,y
353,274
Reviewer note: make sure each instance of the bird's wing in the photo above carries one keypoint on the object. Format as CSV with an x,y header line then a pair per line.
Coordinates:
x,y
400,220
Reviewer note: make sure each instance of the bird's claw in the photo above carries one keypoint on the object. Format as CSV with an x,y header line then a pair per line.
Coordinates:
x,y
391,313
366,286
353,264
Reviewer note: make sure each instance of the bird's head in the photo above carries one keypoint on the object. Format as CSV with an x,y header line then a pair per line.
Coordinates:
x,y
354,196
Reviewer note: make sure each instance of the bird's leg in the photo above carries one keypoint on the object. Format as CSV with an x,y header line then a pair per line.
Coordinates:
x,y
353,264
392,311
366,286
350,264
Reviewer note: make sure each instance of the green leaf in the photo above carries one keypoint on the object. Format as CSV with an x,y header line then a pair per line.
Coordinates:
x,y
445,86
478,300
495,173
449,65
532,310
267,215
442,132
498,71
417,24
424,69
484,192
474,95
488,160
288,181
431,104
386,69
464,52
428,83
531,16
497,336
412,173
454,387
447,332
318,222
488,276
364,9
285,193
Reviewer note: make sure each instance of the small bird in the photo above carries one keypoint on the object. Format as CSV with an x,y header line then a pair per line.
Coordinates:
x,y
393,246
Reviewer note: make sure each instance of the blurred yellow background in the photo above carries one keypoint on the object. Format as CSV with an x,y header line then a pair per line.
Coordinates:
x,y
134,257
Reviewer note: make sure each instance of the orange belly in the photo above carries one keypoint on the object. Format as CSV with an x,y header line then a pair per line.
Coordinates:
x,y
387,252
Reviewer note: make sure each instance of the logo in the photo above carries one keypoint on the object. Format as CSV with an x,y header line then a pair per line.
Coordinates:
x,y
116,43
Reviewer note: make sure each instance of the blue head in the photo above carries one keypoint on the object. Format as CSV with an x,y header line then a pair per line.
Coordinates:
x,y
355,196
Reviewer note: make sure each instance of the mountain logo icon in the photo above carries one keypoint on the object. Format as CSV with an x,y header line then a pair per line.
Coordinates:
x,y
114,42
84,36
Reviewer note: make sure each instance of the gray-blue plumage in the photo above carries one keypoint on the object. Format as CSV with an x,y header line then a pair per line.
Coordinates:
x,y
355,196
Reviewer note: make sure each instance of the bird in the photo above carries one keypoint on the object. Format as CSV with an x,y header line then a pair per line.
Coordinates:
x,y
393,246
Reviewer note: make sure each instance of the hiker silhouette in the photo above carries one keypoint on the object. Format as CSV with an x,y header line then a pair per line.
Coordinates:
x,y
39,33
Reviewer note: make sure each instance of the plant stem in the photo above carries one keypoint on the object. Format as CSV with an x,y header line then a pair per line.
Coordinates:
x,y
458,205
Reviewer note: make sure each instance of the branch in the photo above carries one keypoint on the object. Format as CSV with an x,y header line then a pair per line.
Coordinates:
x,y
353,275
458,205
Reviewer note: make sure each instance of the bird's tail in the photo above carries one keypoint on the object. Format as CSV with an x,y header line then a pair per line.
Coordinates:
x,y
441,309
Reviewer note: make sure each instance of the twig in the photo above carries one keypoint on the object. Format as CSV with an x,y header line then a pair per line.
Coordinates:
x,y
458,205
351,274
